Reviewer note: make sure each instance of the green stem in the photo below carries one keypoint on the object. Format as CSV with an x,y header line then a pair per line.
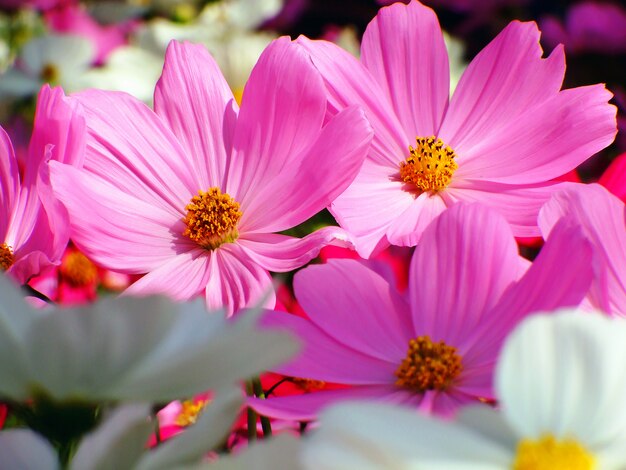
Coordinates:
x,y
265,421
251,416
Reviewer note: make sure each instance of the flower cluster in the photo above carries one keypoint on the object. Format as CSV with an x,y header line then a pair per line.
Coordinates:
x,y
384,256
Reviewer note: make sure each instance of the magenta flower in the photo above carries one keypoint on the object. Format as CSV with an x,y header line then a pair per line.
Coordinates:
x,y
468,288
595,27
600,215
191,192
33,225
505,133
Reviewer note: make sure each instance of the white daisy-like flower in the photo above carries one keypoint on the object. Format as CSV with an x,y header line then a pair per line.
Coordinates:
x,y
226,28
53,58
561,382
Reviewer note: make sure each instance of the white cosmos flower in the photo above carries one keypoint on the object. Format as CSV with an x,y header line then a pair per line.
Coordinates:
x,y
127,349
561,383
55,59
226,28
128,68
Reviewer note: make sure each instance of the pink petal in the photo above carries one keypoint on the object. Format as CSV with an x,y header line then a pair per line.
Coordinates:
x,y
59,121
9,182
407,228
116,229
403,48
182,277
356,307
504,79
518,204
324,358
614,177
281,115
280,253
132,149
555,279
370,205
524,151
308,184
236,281
192,97
306,407
601,217
59,133
462,265
349,82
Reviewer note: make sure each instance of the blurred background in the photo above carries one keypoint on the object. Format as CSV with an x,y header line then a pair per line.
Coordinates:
x,y
119,45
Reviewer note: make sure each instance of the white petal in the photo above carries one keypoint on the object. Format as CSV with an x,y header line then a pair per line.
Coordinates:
x,y
118,442
563,373
70,54
272,454
22,449
146,349
367,435
210,430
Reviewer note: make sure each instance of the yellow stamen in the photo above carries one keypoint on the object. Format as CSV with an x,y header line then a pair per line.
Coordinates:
x,y
430,166
189,413
548,453
238,94
50,74
77,270
212,219
428,366
6,257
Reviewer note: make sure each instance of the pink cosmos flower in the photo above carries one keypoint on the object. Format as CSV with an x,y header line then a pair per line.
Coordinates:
x,y
468,288
600,215
191,192
33,226
505,133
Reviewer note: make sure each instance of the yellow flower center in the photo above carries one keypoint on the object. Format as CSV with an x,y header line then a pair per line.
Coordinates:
x,y
6,257
212,219
428,366
189,413
77,270
430,166
548,453
50,74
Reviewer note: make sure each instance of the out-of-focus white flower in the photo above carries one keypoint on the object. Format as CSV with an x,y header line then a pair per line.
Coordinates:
x,y
55,59
127,349
226,28
560,381
456,50
120,443
128,68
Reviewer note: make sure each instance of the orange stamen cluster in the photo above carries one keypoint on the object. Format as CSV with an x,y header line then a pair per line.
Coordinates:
x,y
77,270
189,413
430,166
6,257
428,366
212,218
